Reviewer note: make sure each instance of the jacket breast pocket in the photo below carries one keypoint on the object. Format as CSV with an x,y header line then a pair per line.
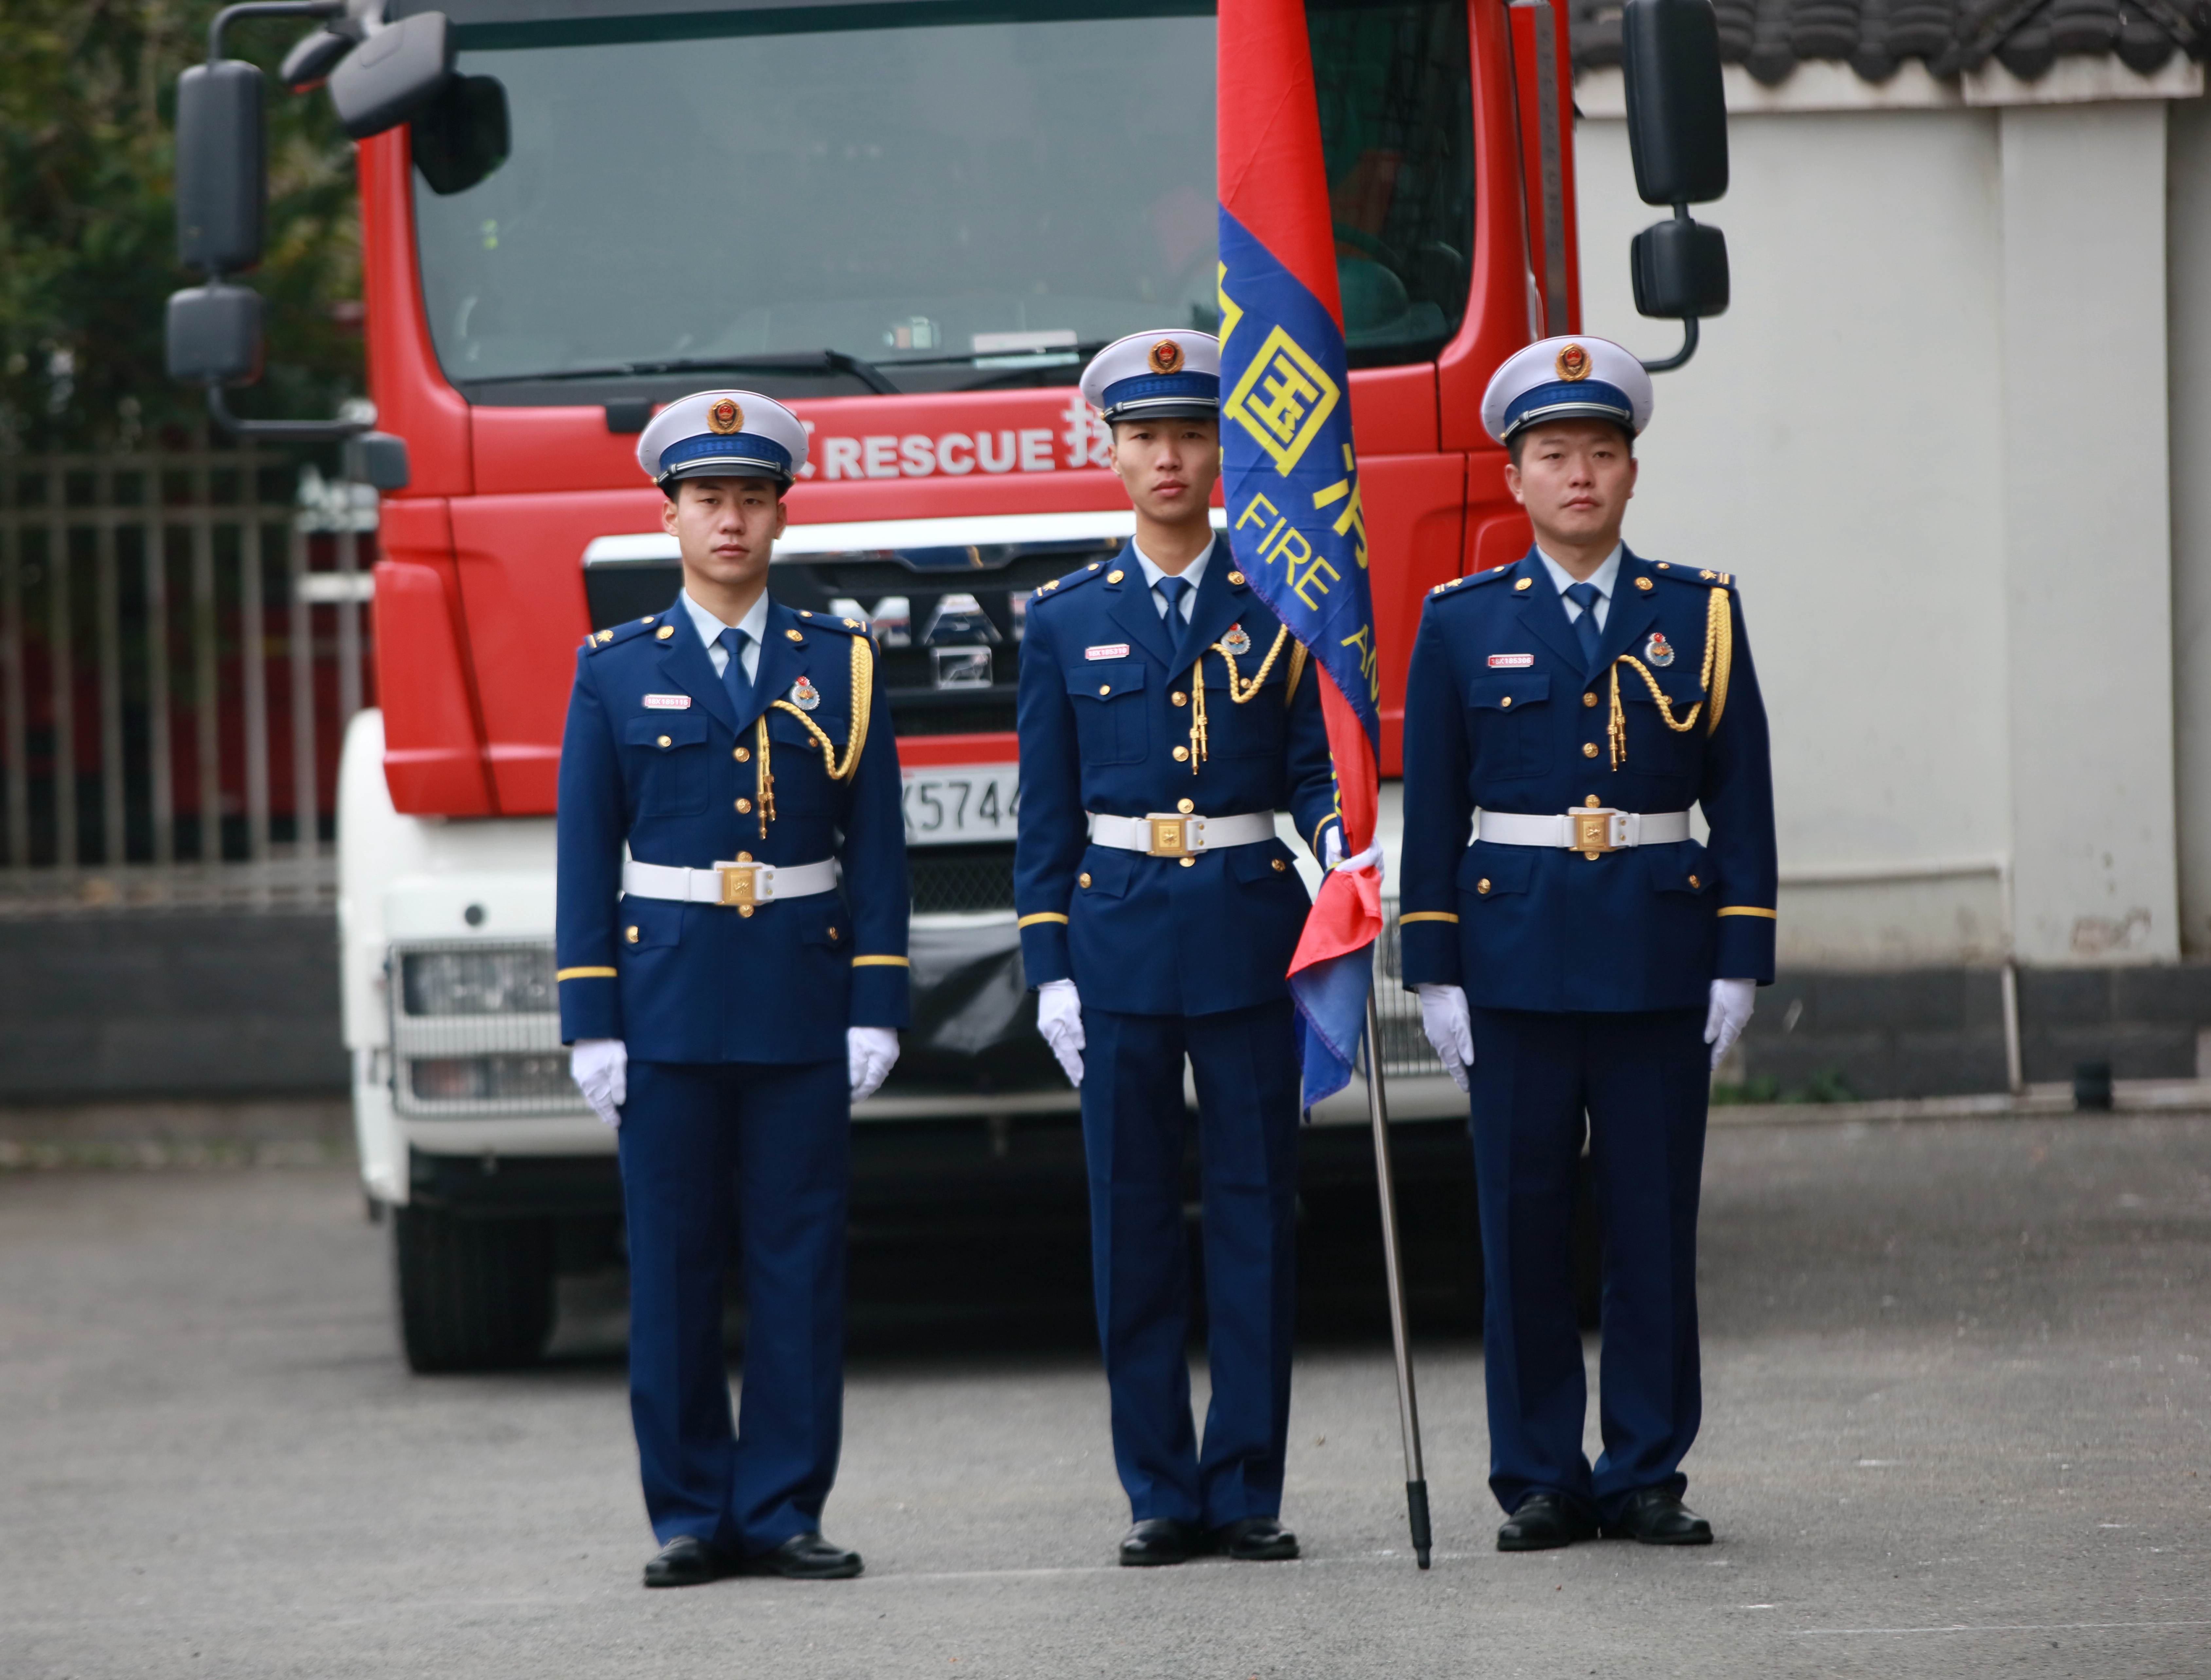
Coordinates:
x,y
666,756
1254,729
1654,747
802,779
1509,723
1108,698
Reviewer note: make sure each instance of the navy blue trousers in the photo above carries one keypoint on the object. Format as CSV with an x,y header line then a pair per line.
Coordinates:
x,y
1134,1130
710,1151
1641,1078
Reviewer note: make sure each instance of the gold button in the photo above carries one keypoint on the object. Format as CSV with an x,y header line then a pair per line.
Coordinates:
x,y
1181,754
1589,749
1105,688
745,910
664,742
832,936
1592,857
1185,806
1179,698
629,934
1482,886
1188,861
1588,700
744,857
1590,801
1237,578
794,635
1115,576
743,755
804,613
647,618
1665,566
1094,564
743,806
1084,880
1643,582
1694,881
1505,704
664,633
1525,582
1280,865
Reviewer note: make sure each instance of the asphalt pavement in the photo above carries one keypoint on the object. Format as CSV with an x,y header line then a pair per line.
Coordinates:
x,y
1957,1416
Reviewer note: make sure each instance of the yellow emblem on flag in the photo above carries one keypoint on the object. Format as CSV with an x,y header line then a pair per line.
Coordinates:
x,y
1283,399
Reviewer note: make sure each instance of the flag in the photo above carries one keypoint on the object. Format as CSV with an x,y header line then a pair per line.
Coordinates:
x,y
1290,479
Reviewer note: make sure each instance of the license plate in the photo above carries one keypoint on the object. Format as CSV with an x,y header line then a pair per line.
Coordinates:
x,y
948,805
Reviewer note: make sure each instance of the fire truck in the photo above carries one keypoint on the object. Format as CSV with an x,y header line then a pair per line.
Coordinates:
x,y
912,220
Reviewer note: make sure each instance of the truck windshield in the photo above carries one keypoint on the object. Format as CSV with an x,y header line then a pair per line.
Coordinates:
x,y
956,204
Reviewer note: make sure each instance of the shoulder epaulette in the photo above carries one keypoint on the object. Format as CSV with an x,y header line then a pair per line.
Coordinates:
x,y
831,621
599,640
1706,576
1452,585
1081,576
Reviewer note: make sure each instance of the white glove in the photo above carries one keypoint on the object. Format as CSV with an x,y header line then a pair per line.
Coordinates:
x,y
1059,1019
1728,1014
1332,857
600,1068
870,1053
1444,1020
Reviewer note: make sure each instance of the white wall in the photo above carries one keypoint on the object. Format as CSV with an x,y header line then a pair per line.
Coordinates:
x,y
2188,293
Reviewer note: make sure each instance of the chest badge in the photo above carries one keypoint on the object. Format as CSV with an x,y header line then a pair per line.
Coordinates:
x,y
1659,651
1511,661
805,696
1236,641
667,702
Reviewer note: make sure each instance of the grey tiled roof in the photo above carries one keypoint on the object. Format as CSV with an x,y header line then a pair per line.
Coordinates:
x,y
1771,38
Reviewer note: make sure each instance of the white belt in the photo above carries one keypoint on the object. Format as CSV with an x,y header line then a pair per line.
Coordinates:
x,y
1168,834
743,884
1595,829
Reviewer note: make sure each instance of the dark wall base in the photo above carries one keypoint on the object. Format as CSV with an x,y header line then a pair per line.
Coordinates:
x,y
1939,1032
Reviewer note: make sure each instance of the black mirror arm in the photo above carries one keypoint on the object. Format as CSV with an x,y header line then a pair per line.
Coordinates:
x,y
1677,359
224,18
281,432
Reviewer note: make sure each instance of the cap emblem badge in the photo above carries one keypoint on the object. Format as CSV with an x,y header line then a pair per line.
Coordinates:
x,y
805,696
725,417
1236,641
1573,363
1166,357
1658,650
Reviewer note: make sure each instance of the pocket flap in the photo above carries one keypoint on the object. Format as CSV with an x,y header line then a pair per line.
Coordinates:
x,y
1105,872
1502,690
823,923
1108,679
645,923
667,730
1490,871
1680,687
1678,868
1265,862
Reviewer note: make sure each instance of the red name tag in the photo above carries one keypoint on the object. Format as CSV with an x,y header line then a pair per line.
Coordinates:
x,y
1511,661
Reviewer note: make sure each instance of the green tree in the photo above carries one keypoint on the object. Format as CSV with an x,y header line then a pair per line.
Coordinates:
x,y
88,251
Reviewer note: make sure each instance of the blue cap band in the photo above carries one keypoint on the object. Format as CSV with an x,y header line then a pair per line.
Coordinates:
x,y
738,454
1163,390
1570,399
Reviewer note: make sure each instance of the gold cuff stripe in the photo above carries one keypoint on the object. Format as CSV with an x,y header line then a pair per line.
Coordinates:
x,y
1427,915
1749,910
881,963
586,974
1040,917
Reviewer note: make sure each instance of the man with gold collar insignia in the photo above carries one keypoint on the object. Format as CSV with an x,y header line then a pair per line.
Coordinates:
x,y
1166,716
731,987
1581,961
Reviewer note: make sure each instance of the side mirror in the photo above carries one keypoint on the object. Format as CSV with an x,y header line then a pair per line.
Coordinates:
x,y
376,458
1676,111
1680,269
213,336
222,167
392,75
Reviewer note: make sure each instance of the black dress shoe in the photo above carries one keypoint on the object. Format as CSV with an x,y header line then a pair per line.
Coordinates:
x,y
688,1560
1256,1540
1543,1522
804,1557
1658,1519
1158,1540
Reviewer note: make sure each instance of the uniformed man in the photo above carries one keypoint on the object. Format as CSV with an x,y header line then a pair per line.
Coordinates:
x,y
1166,716
731,987
1577,952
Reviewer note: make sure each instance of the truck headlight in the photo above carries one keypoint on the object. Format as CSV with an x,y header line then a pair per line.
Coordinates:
x,y
476,1031
478,983
491,1079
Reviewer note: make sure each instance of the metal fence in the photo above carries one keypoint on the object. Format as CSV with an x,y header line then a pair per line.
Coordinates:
x,y
183,639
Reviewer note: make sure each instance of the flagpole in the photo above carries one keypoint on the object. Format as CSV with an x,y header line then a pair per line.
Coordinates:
x,y
1409,1404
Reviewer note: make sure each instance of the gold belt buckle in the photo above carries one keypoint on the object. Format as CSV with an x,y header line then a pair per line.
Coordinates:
x,y
1170,836
1593,831
740,885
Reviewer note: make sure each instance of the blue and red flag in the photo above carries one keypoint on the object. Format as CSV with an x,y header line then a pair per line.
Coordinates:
x,y
1290,476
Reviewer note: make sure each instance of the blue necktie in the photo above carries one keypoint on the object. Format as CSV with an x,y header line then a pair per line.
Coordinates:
x,y
1172,590
733,674
1586,596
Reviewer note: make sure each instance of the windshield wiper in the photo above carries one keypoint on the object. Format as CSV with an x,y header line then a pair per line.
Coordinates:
x,y
1043,355
790,361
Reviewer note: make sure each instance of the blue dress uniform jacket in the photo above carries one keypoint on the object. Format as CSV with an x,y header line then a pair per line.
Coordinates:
x,y
1501,713
1106,709
685,784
